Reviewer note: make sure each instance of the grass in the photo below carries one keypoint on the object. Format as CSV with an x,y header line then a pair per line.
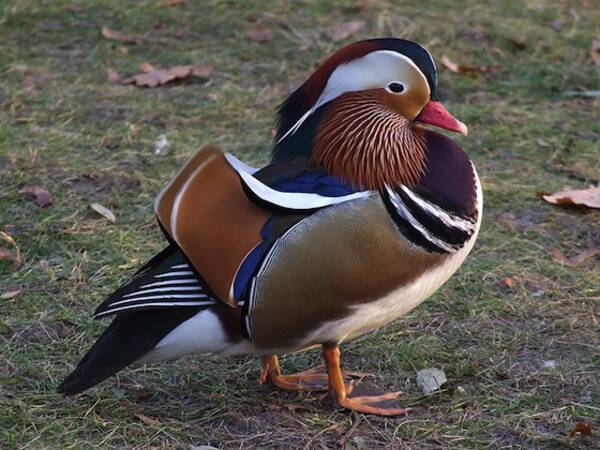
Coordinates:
x,y
88,140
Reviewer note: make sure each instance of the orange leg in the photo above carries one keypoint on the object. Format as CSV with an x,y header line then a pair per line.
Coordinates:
x,y
308,380
340,394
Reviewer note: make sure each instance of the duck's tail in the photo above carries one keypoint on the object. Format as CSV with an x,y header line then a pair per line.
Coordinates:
x,y
165,312
126,340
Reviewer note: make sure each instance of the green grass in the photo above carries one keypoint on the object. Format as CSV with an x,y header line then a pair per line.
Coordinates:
x,y
87,140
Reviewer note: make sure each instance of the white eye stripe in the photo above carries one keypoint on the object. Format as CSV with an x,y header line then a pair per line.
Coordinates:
x,y
375,70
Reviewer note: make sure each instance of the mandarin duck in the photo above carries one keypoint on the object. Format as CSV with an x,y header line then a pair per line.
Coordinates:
x,y
362,214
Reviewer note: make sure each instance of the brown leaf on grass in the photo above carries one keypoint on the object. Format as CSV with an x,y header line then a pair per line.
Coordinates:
x,y
40,195
463,68
575,261
9,295
595,51
10,256
261,33
104,212
146,67
517,43
345,30
118,36
202,71
589,197
113,75
508,283
147,420
170,3
153,77
581,428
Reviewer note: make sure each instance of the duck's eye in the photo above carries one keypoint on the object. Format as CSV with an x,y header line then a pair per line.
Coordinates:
x,y
396,87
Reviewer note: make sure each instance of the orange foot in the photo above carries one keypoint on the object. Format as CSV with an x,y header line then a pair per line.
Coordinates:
x,y
357,398
315,379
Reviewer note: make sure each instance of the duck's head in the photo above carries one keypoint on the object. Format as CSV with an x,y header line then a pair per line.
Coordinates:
x,y
363,110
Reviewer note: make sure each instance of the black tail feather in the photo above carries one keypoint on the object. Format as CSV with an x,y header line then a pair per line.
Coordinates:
x,y
127,339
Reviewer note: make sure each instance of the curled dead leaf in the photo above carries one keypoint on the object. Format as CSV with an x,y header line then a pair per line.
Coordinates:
x,y
118,36
261,33
9,255
40,195
104,212
583,428
595,51
147,419
345,30
113,75
517,43
146,67
589,197
508,282
152,76
462,68
9,295
588,94
575,261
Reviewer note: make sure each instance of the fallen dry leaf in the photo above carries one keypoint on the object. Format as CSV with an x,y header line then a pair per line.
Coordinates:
x,y
170,3
202,70
122,50
10,256
462,68
113,75
146,67
147,420
9,295
581,428
31,80
103,211
345,30
261,33
517,43
153,77
595,51
589,197
589,94
508,283
118,36
40,195
430,380
575,261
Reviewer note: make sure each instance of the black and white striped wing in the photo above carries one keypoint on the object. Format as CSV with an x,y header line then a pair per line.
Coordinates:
x,y
166,281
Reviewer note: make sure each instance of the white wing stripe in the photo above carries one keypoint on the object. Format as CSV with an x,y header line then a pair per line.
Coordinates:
x,y
172,282
164,289
180,266
174,274
123,308
160,297
289,200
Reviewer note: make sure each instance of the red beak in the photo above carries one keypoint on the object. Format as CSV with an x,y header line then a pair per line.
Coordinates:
x,y
435,114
